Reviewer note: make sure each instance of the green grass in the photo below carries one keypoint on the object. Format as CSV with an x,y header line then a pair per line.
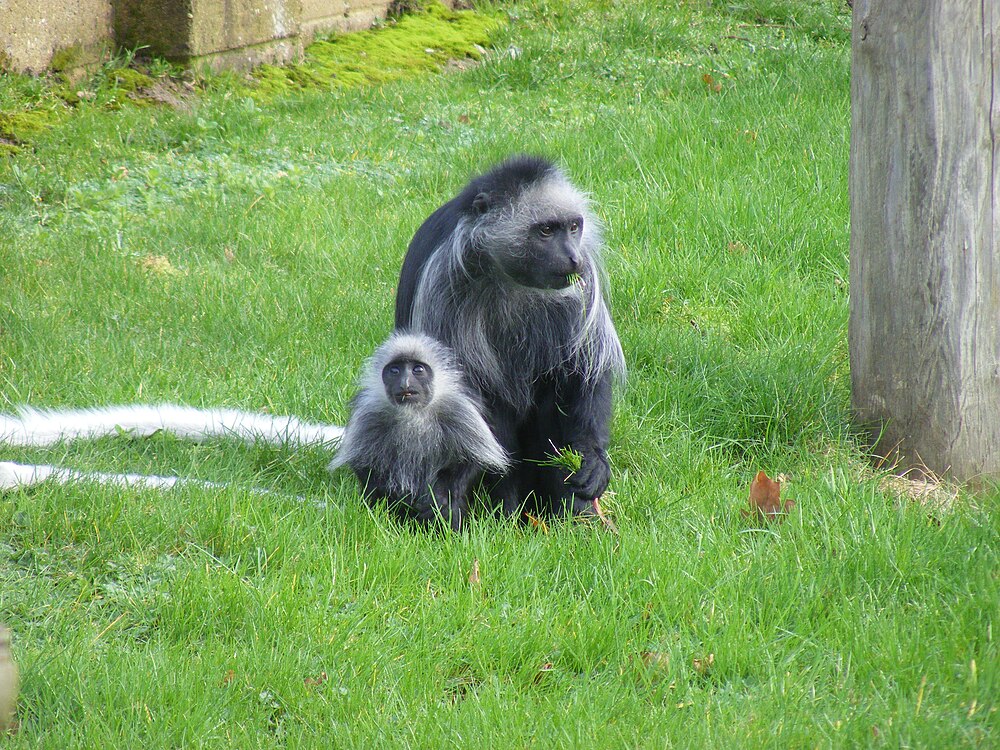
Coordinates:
x,y
243,251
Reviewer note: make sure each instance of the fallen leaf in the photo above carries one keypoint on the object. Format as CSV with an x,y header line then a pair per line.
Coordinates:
x,y
230,676
538,523
703,666
229,255
765,499
314,681
655,659
474,574
159,264
464,119
712,84
542,671
608,523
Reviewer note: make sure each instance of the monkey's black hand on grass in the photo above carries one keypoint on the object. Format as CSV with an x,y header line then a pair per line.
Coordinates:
x,y
416,437
508,275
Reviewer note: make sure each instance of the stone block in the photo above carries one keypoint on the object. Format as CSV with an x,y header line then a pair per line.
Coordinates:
x,y
40,34
217,33
322,16
36,33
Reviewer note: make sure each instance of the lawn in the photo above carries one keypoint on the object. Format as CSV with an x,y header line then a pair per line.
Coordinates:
x,y
238,245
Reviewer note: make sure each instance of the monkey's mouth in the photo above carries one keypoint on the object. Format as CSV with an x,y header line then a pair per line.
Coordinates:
x,y
558,281
406,397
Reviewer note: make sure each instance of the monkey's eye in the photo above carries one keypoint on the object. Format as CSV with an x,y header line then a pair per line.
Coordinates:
x,y
419,369
394,370
574,226
545,230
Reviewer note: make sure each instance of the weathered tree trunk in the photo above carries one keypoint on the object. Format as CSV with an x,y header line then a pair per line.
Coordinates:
x,y
925,276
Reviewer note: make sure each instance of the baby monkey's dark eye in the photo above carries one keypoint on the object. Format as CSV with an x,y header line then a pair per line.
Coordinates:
x,y
545,230
419,369
394,370
574,226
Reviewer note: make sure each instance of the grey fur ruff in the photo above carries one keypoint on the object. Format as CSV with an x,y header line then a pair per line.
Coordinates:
x,y
409,445
507,336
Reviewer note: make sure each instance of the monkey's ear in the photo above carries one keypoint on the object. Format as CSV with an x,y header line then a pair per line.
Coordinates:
x,y
481,203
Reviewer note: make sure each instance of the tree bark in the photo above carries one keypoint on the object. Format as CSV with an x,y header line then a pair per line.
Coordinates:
x,y
925,277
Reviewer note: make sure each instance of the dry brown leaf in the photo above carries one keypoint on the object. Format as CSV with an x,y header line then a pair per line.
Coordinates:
x,y
314,681
159,264
703,666
542,671
712,84
608,523
474,573
538,523
655,659
765,499
230,676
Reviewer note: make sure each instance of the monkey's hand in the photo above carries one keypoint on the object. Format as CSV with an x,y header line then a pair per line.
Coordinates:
x,y
591,479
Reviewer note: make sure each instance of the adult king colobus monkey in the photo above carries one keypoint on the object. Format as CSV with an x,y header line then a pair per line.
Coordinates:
x,y
508,275
416,436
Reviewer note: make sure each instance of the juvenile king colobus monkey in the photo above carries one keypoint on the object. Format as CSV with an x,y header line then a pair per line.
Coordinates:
x,y
508,275
416,436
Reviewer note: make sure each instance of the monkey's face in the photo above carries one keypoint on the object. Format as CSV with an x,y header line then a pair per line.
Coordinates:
x,y
551,255
408,382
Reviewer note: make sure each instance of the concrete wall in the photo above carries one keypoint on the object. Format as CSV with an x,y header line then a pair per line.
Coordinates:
x,y
345,15
38,34
32,32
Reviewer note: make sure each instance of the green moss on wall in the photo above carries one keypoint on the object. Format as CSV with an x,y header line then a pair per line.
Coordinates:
x,y
66,58
410,45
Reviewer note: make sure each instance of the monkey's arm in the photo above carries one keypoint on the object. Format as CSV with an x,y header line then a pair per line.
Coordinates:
x,y
585,419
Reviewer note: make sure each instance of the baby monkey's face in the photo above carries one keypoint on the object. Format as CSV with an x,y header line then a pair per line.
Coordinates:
x,y
408,382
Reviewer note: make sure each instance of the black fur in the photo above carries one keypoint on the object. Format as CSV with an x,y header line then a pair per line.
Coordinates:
x,y
543,358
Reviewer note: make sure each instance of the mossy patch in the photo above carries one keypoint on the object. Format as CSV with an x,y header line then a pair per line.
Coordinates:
x,y
17,128
23,124
412,44
129,79
66,58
